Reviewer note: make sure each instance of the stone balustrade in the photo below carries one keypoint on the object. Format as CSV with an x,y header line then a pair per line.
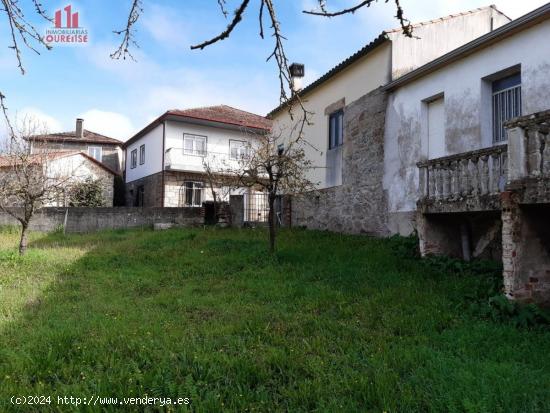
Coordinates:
x,y
529,147
474,173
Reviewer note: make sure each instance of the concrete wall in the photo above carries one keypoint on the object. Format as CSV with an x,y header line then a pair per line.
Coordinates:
x,y
440,36
95,219
468,108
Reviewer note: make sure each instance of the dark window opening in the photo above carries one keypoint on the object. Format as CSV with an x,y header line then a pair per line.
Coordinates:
x,y
336,129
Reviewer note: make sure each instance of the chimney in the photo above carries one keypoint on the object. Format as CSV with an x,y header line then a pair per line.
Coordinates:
x,y
79,132
297,72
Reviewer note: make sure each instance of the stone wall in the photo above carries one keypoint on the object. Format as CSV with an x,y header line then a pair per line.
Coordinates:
x,y
95,219
359,205
152,191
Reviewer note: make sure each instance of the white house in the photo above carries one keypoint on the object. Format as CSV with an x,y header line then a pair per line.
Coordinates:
x,y
165,162
347,125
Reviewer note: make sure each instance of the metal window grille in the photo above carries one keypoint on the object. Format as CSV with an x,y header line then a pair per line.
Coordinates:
x,y
256,207
506,106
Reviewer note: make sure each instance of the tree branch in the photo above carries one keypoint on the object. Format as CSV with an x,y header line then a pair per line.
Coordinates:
x,y
227,32
128,33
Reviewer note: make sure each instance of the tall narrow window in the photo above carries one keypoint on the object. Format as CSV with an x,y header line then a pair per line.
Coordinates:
x,y
336,129
133,159
238,150
191,194
506,104
96,152
194,145
142,154
436,128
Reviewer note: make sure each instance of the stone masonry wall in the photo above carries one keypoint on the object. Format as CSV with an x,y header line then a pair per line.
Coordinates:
x,y
359,205
152,186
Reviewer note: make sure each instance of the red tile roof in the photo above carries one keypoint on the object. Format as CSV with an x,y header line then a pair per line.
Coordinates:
x,y
225,114
89,137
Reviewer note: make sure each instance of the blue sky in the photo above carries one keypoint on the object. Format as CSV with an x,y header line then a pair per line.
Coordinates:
x,y
118,98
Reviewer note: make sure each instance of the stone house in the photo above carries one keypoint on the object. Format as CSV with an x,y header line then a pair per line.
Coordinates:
x,y
165,161
456,148
69,168
467,163
102,148
346,134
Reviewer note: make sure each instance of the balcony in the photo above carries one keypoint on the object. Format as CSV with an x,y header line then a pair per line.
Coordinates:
x,y
178,159
469,181
529,157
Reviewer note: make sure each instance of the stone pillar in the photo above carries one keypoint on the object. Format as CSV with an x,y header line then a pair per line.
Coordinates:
x,y
511,245
236,206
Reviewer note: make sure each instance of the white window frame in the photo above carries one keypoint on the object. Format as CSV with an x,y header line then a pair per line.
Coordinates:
x,y
194,139
142,154
242,149
195,187
92,149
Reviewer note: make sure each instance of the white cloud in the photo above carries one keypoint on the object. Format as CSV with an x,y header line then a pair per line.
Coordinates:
x,y
111,124
164,26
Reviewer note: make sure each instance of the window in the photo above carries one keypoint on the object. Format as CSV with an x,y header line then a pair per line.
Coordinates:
x,y
96,152
238,149
142,154
133,160
336,129
506,104
280,149
194,145
436,127
191,194
140,196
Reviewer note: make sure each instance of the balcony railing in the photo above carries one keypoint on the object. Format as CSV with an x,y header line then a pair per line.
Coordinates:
x,y
475,173
195,161
529,147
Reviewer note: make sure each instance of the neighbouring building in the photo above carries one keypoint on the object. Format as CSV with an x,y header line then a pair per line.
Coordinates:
x,y
346,134
467,152
165,162
102,148
67,169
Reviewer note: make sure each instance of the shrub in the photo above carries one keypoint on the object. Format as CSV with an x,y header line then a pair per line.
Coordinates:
x,y
87,193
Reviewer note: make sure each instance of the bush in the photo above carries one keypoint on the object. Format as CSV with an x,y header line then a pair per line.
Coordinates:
x,y
87,193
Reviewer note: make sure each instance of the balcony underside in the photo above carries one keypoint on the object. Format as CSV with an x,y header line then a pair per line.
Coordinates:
x,y
470,203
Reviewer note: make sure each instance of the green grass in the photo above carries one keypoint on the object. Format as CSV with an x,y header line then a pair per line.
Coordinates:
x,y
331,323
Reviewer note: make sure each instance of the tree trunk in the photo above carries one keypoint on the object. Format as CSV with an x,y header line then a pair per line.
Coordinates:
x,y
23,240
272,223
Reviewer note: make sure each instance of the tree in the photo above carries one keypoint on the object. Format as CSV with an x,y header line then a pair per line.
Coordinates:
x,y
278,166
219,182
27,181
86,193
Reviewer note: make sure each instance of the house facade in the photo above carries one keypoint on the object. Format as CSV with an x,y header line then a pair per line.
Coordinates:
x,y
102,148
166,162
65,169
346,134
467,162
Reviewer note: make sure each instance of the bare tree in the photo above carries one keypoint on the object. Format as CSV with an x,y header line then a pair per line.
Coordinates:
x,y
27,181
220,182
278,166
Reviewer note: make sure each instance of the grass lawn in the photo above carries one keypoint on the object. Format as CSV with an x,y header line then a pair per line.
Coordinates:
x,y
332,323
